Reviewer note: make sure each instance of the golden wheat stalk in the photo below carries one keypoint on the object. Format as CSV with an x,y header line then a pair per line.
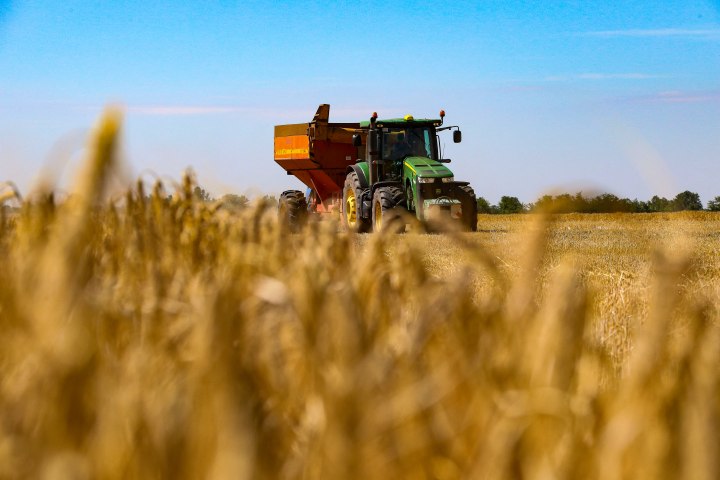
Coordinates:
x,y
156,338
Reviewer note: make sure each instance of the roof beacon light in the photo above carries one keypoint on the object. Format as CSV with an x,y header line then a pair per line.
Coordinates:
x,y
442,113
374,115
409,118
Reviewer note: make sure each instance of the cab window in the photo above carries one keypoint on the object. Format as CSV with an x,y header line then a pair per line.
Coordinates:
x,y
400,142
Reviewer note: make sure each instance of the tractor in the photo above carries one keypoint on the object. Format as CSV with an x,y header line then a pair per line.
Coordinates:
x,y
377,174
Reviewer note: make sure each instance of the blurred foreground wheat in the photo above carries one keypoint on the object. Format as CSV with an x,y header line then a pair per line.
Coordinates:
x,y
175,339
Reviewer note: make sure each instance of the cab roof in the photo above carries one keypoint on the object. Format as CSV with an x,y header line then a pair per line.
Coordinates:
x,y
392,122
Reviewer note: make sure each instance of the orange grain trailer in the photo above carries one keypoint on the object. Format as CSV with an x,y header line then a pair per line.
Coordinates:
x,y
318,153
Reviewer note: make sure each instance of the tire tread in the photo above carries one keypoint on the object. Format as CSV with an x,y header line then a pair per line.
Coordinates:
x,y
296,205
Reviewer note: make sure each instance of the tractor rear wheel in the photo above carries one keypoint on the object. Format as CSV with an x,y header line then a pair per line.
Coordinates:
x,y
387,206
351,218
466,195
292,211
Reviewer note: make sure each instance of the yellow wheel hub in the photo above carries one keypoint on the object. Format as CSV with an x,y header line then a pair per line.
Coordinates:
x,y
378,216
351,208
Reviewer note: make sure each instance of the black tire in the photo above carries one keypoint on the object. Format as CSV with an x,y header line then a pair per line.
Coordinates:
x,y
292,211
466,195
387,207
352,184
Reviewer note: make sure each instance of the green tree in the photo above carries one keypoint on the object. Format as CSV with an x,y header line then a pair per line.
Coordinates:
x,y
511,205
714,205
270,200
580,203
659,204
483,205
609,203
686,200
202,195
638,206
239,202
563,203
543,204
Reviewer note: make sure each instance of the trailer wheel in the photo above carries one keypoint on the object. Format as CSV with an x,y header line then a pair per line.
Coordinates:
x,y
351,218
292,211
466,195
387,206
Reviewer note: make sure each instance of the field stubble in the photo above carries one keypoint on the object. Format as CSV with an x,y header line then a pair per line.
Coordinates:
x,y
611,253
182,340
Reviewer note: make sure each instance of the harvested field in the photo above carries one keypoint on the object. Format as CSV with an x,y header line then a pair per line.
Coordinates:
x,y
612,254
177,339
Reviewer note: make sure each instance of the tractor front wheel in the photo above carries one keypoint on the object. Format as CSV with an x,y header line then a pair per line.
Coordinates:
x,y
292,211
387,206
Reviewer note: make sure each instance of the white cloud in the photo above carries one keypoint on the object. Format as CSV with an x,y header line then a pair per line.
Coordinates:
x,y
180,110
269,112
677,96
167,109
655,33
604,76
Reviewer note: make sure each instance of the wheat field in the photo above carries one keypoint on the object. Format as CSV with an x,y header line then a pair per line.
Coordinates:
x,y
611,253
147,338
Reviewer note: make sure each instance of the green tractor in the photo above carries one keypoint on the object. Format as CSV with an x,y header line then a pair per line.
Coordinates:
x,y
377,174
404,172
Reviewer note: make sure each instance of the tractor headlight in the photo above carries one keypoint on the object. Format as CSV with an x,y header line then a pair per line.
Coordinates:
x,y
448,179
426,180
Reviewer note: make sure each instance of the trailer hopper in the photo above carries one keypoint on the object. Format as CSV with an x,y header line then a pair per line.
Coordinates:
x,y
318,153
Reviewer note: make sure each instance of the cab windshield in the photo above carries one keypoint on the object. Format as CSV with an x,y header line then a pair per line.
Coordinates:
x,y
396,143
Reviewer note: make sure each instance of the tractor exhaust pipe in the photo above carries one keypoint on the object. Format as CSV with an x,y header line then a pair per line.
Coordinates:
x,y
372,146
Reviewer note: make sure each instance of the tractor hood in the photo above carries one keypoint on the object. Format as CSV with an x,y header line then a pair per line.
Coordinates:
x,y
425,167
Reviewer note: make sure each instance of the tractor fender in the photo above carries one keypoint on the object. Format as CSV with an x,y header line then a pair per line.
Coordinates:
x,y
360,174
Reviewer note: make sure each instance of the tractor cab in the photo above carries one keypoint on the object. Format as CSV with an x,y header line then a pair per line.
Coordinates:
x,y
402,142
395,140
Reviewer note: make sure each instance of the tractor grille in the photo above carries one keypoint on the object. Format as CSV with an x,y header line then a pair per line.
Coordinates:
x,y
430,190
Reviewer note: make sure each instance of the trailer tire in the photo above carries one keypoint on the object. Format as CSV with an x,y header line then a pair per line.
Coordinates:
x,y
292,211
388,205
467,198
351,198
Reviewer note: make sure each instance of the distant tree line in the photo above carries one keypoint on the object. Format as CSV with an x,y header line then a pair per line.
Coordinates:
x,y
10,209
239,202
604,203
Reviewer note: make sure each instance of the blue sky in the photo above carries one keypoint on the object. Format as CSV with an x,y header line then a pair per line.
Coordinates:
x,y
620,96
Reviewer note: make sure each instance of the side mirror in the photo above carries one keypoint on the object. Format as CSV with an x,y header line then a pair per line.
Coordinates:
x,y
457,136
357,140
